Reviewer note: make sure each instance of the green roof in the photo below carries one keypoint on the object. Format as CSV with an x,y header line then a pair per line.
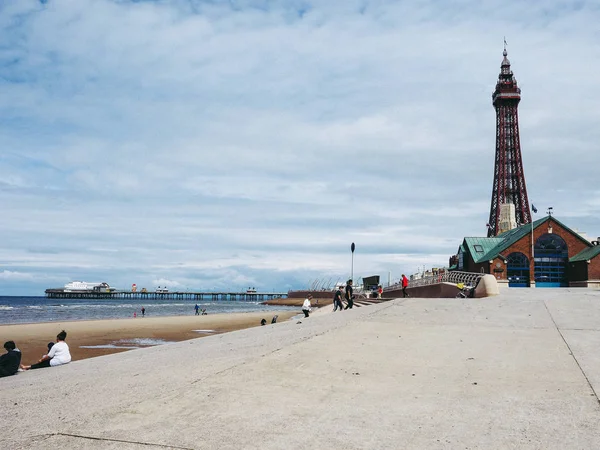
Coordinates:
x,y
480,246
586,254
509,237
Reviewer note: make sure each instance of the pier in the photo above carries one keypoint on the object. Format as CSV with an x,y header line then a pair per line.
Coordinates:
x,y
138,295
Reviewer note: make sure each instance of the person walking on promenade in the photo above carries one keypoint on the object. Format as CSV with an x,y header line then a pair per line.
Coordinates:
x,y
10,361
306,306
197,308
380,291
337,299
404,285
349,299
59,354
143,311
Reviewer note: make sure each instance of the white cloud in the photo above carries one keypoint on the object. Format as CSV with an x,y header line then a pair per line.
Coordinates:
x,y
249,143
7,275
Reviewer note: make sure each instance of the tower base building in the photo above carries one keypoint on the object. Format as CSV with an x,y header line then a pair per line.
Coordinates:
x,y
545,253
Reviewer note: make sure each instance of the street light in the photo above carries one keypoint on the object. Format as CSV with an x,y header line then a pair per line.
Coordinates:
x,y
352,247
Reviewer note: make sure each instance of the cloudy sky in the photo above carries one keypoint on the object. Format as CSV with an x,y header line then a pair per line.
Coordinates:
x,y
226,144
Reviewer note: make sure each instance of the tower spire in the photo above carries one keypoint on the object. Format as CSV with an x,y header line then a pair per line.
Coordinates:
x,y
509,180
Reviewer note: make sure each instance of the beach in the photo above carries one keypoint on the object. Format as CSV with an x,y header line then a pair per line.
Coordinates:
x,y
90,338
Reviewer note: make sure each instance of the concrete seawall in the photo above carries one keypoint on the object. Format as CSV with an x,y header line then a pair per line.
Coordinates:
x,y
487,287
438,290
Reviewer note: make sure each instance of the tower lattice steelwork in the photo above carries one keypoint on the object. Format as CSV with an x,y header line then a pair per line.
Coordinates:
x,y
509,179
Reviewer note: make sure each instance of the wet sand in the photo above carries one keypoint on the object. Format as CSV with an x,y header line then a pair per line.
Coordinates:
x,y
32,339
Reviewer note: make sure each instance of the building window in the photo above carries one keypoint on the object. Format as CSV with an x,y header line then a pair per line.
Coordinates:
x,y
517,270
478,248
551,257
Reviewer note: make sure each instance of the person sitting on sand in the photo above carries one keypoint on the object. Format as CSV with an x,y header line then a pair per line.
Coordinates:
x,y
59,354
10,361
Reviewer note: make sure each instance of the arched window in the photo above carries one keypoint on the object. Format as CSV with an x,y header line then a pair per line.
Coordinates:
x,y
518,259
551,244
551,257
517,270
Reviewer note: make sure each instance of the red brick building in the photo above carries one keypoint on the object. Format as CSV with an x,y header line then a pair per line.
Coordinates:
x,y
562,256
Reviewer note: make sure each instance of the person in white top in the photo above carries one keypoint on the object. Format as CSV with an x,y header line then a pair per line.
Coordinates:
x,y
306,306
58,355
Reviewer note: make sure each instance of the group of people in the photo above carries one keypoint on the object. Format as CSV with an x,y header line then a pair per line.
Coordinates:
x,y
58,354
273,320
200,312
337,299
347,295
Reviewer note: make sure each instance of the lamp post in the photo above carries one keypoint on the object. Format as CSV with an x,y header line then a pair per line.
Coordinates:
x,y
352,247
532,279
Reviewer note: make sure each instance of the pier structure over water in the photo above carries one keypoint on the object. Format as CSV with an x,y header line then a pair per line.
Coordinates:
x,y
135,295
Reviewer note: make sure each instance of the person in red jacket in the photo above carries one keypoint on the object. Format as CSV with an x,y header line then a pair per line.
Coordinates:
x,y
404,285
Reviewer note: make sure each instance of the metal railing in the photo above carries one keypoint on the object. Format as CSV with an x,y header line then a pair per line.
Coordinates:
x,y
467,278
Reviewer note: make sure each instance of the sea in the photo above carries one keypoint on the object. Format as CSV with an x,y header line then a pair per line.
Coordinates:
x,y
15,310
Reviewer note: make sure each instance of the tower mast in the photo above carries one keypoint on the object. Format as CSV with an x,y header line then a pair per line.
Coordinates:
x,y
509,179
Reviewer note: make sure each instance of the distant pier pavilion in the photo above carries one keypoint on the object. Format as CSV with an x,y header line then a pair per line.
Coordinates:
x,y
136,295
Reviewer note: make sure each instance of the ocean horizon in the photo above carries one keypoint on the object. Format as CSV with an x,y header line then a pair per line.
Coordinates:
x,y
36,309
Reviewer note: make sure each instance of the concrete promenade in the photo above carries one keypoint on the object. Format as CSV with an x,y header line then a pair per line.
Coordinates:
x,y
517,371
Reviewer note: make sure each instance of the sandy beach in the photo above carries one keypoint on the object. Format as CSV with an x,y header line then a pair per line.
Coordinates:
x,y
32,339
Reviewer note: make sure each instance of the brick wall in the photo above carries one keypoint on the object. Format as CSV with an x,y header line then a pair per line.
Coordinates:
x,y
594,268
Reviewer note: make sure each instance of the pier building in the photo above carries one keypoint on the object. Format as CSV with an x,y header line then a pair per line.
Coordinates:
x,y
164,295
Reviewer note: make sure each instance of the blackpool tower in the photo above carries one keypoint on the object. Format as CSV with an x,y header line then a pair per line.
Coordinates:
x,y
509,180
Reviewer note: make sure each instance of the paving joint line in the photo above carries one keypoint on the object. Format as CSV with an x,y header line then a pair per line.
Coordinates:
x,y
572,354
124,441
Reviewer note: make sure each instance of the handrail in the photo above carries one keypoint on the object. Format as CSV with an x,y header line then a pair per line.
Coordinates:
x,y
467,278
